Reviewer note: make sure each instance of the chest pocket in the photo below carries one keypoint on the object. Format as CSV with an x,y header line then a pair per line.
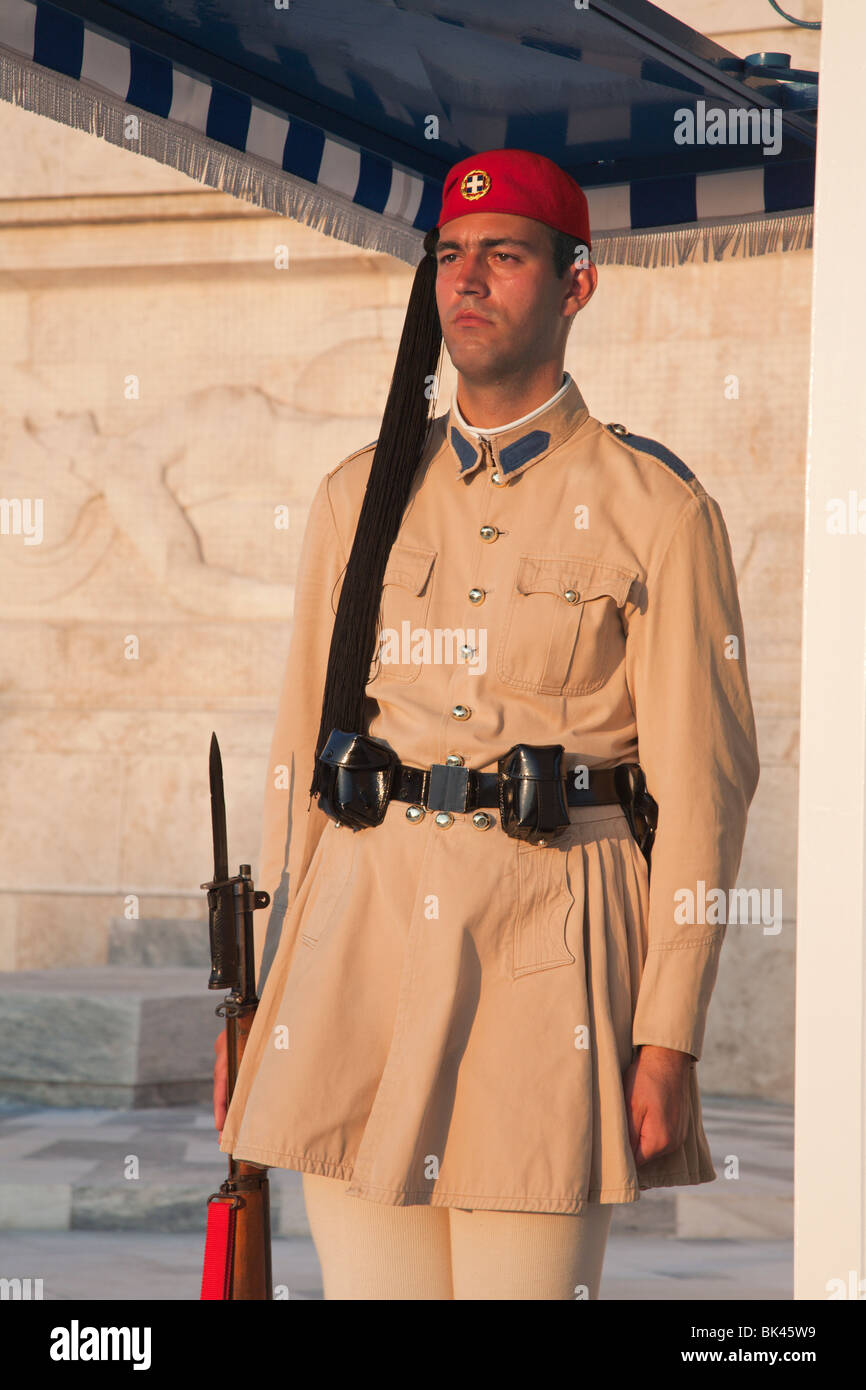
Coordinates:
x,y
563,634
406,589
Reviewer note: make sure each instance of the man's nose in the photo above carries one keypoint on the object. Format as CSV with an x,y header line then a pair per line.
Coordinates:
x,y
471,278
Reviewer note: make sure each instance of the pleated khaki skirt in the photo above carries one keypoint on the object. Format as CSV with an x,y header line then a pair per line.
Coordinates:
x,y
448,1018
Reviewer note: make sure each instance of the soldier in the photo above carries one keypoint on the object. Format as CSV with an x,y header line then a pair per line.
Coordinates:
x,y
517,653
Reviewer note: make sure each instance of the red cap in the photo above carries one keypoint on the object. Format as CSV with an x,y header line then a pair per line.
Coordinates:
x,y
516,181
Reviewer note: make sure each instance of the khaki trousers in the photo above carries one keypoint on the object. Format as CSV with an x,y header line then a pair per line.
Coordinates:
x,y
371,1251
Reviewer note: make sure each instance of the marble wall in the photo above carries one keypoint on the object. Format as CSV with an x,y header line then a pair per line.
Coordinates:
x,y
164,387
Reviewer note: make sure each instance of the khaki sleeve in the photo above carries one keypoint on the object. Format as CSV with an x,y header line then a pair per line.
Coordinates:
x,y
292,821
698,748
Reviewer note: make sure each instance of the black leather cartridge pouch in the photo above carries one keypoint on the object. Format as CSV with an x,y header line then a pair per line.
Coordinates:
x,y
533,803
356,773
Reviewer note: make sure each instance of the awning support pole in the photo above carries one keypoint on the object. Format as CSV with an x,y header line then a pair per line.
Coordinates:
x,y
830,1097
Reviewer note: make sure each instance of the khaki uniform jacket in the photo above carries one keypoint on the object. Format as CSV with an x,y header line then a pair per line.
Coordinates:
x,y
446,1012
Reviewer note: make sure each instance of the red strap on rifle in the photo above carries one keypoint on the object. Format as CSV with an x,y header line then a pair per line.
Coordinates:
x,y
216,1279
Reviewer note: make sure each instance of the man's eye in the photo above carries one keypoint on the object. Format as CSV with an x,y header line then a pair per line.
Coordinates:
x,y
446,256
507,254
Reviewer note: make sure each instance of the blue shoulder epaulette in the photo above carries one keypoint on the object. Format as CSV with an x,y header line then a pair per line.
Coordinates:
x,y
658,451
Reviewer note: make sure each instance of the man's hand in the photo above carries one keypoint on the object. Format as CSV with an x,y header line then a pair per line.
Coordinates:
x,y
220,1082
656,1086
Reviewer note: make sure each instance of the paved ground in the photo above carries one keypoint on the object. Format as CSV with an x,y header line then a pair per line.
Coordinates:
x,y
77,1265
111,1204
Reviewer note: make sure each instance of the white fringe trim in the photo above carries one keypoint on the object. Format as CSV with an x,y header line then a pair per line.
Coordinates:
x,y
247,176
86,107
755,234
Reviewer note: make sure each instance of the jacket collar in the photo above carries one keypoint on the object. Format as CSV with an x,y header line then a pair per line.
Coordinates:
x,y
518,448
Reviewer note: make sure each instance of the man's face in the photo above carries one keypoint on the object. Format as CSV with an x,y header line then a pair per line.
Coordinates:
x,y
501,306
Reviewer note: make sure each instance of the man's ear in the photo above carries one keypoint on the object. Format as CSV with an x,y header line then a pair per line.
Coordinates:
x,y
586,275
584,278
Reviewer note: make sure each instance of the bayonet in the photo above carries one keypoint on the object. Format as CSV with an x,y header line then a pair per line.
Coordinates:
x,y
237,1262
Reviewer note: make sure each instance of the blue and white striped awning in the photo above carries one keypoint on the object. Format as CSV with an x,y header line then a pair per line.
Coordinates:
x,y
346,114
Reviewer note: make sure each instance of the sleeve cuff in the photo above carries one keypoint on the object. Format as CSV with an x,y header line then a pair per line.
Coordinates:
x,y
674,996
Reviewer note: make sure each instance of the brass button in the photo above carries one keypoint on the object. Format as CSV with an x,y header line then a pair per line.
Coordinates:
x,y
489,533
460,712
497,479
454,760
618,429
415,814
444,818
571,595
476,595
482,821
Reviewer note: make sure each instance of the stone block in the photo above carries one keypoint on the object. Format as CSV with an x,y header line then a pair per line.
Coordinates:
x,y
746,1215
28,1206
160,941
107,1035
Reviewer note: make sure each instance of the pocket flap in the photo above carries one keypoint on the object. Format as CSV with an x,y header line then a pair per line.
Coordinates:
x,y
408,566
587,578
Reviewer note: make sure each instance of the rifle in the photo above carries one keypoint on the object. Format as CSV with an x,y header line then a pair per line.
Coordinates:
x,y
237,1257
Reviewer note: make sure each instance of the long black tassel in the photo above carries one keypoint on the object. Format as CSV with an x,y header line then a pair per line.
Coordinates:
x,y
405,428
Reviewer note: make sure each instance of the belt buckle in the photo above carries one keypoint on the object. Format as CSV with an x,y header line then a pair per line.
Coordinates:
x,y
450,788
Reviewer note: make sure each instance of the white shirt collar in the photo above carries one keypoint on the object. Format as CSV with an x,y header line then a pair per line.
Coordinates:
x,y
524,419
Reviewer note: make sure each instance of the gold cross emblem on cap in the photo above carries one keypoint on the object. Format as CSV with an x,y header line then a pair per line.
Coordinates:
x,y
475,184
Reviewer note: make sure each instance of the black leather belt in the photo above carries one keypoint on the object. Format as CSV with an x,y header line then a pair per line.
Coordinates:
x,y
445,787
531,787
